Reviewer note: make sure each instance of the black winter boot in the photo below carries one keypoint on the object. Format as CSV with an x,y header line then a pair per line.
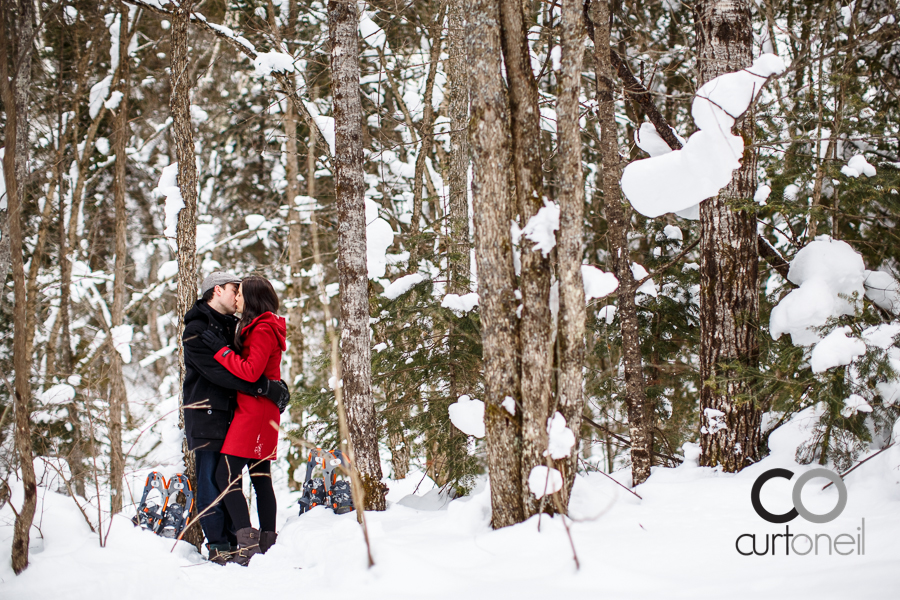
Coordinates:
x,y
219,553
266,540
248,545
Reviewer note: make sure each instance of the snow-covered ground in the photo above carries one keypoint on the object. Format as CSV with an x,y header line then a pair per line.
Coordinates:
x,y
676,542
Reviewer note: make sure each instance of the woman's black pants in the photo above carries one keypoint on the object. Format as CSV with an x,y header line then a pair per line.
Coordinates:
x,y
228,476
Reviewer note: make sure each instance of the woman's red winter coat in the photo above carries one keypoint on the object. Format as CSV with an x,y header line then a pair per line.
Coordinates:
x,y
254,429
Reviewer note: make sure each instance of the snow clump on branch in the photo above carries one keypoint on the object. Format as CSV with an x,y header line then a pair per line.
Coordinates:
x,y
467,415
266,62
830,274
460,305
677,180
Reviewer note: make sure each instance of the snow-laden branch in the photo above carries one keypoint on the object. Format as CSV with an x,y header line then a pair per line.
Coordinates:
x,y
242,45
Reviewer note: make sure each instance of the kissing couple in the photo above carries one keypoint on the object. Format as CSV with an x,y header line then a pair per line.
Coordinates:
x,y
233,400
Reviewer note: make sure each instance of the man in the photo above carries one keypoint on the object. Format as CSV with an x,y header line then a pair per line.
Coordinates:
x,y
210,398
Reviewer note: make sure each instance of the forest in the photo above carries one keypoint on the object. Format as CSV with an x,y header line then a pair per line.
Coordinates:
x,y
532,255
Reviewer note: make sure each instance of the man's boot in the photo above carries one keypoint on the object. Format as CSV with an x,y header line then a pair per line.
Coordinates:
x,y
266,540
219,553
248,545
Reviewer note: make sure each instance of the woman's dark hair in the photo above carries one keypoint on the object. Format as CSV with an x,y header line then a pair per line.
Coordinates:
x,y
259,297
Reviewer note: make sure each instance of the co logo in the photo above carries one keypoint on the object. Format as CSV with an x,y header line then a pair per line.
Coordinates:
x,y
799,509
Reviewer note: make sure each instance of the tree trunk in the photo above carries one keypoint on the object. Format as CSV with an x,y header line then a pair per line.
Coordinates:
x,y
729,263
493,247
535,340
427,136
117,394
353,273
570,249
456,67
15,172
292,171
186,231
618,219
295,315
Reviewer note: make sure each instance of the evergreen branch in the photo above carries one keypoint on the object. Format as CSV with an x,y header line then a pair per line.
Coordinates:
x,y
666,266
771,255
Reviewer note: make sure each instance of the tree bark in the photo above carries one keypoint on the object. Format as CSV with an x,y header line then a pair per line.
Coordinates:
x,y
117,394
15,172
353,273
457,243
292,171
493,247
618,218
186,231
729,263
570,249
427,136
456,68
534,281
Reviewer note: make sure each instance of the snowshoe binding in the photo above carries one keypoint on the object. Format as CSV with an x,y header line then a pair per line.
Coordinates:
x,y
152,507
326,490
315,489
177,514
340,496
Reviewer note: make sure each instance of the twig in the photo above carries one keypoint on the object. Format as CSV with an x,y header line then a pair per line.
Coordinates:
x,y
71,493
663,268
860,463
611,479
627,442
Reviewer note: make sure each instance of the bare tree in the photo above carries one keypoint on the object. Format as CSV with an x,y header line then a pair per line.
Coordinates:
x,y
618,217
343,23
117,394
456,67
570,249
15,162
186,230
729,263
534,343
488,137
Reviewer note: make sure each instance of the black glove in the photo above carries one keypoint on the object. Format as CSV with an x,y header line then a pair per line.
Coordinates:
x,y
279,394
214,340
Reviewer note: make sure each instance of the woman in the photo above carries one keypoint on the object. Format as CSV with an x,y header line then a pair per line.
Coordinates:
x,y
253,435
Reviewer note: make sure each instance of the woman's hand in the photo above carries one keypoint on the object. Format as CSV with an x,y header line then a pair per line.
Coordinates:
x,y
213,340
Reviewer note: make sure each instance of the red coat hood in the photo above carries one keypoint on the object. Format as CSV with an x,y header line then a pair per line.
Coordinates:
x,y
273,321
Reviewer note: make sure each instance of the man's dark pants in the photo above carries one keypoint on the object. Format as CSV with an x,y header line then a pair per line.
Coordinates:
x,y
216,523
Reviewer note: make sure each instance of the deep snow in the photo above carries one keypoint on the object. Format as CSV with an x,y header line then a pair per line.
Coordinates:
x,y
677,542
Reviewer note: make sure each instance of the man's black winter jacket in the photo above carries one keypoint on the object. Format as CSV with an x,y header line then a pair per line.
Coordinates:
x,y
210,391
